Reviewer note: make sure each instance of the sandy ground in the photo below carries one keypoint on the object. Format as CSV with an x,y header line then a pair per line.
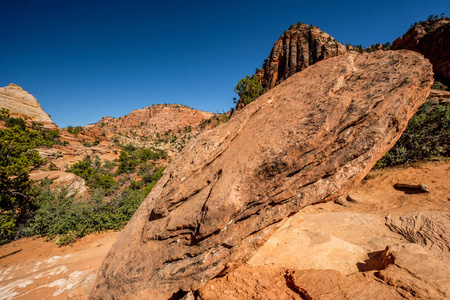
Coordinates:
x,y
32,268
342,235
42,270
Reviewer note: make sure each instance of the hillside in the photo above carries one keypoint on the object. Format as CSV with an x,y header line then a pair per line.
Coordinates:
x,y
164,125
105,169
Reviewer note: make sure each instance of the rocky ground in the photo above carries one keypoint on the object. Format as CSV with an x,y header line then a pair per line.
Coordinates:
x,y
341,249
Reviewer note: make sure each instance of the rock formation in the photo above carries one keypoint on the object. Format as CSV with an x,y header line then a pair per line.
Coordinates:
x,y
156,118
22,104
308,140
142,126
432,39
297,48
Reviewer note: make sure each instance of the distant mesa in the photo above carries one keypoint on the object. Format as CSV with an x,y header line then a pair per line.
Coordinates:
x,y
22,104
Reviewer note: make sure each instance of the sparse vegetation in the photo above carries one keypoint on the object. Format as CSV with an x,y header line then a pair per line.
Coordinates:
x,y
248,90
74,130
439,86
426,137
429,19
215,121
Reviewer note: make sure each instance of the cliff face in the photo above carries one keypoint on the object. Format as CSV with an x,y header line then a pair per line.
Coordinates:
x,y
23,105
297,48
432,39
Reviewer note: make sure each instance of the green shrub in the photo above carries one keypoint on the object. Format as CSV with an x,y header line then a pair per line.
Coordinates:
x,y
89,171
131,157
248,90
74,130
439,86
17,158
127,163
64,219
426,136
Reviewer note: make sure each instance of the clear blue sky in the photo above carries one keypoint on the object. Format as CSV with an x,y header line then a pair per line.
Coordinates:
x,y
87,59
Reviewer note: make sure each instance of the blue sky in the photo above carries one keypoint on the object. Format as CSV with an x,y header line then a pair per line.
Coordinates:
x,y
87,59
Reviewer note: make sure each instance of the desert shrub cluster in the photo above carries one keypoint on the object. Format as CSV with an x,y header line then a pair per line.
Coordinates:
x,y
426,137
28,208
60,216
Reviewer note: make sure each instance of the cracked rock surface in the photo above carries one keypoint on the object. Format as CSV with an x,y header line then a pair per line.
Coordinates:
x,y
309,140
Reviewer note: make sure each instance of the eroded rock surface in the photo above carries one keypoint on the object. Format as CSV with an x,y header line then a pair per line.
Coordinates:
x,y
22,104
309,140
429,229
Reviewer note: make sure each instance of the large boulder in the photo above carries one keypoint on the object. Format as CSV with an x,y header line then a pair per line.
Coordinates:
x,y
308,140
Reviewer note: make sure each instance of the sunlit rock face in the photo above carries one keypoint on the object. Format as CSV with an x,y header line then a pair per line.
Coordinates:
x,y
432,39
22,104
297,48
310,139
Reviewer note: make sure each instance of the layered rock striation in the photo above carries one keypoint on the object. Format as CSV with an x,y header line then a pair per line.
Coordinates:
x,y
308,140
432,39
22,104
297,48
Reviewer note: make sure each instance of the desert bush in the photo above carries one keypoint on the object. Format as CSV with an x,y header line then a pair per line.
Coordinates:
x,y
74,130
17,158
427,136
63,218
439,86
89,171
131,157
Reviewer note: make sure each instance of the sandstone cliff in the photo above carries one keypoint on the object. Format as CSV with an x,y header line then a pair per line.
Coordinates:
x,y
297,48
23,105
432,39
308,140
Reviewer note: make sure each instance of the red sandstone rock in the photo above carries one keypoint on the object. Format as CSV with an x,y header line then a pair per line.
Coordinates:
x,y
309,140
432,39
297,48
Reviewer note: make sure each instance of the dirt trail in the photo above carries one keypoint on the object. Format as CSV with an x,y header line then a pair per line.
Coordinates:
x,y
42,270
